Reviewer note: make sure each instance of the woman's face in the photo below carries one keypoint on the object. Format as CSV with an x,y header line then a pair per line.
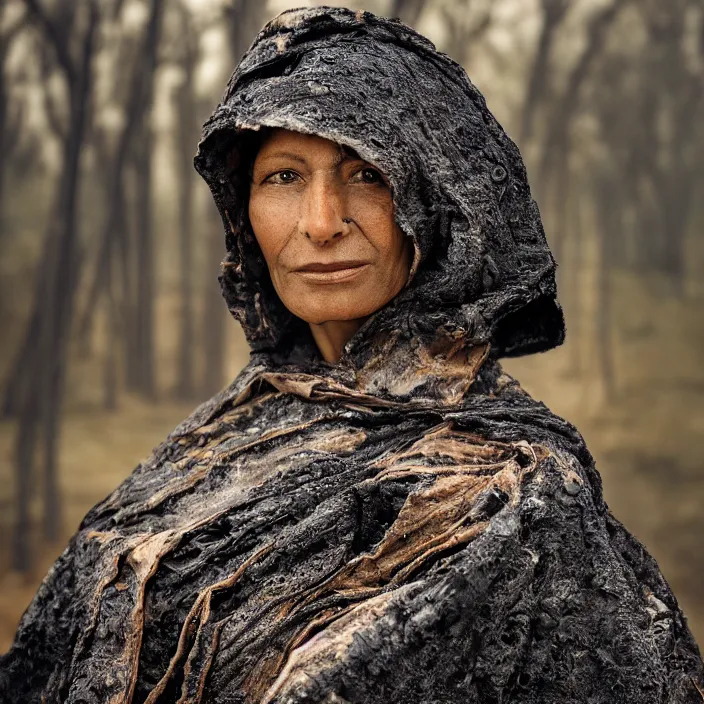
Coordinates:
x,y
323,218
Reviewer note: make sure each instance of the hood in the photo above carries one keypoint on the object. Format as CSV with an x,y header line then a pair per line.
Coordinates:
x,y
482,274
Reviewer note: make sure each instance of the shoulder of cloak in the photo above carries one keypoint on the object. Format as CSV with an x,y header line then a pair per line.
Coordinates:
x,y
554,601
524,588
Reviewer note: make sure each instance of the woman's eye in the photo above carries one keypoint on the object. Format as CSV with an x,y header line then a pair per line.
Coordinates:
x,y
285,176
368,175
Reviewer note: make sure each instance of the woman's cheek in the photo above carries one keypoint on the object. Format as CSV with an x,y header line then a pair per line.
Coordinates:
x,y
270,217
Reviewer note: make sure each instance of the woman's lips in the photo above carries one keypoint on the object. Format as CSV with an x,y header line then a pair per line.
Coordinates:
x,y
332,273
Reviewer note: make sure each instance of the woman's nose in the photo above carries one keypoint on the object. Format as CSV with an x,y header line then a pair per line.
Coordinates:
x,y
323,217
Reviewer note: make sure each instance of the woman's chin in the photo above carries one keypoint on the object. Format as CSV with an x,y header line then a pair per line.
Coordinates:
x,y
328,311
343,302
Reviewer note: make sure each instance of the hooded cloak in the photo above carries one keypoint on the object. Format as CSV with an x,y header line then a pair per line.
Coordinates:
x,y
406,525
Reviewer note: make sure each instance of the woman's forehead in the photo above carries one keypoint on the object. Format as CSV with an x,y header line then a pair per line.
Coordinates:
x,y
279,140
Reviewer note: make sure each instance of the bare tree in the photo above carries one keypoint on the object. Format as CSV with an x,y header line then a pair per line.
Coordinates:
x,y
50,323
650,108
553,172
186,136
609,225
9,123
115,234
553,12
674,96
141,364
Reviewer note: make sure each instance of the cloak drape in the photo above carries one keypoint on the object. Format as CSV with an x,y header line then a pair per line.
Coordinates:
x,y
405,526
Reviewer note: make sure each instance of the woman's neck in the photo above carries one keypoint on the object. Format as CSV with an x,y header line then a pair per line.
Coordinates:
x,y
332,335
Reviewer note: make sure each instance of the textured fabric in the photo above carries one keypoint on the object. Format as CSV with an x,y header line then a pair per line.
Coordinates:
x,y
405,526
484,270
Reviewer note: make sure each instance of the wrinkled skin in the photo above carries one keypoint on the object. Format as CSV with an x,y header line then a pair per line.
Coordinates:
x,y
406,525
313,203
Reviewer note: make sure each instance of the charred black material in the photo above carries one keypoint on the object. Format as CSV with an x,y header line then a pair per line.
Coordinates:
x,y
483,268
407,525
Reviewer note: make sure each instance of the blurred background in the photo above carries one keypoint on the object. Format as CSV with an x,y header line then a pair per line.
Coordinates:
x,y
113,327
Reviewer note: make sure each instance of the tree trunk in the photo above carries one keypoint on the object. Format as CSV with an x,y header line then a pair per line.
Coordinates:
x,y
25,454
129,307
110,362
20,371
574,279
145,272
60,314
138,101
4,142
553,13
8,128
187,135
140,312
607,230
54,305
557,135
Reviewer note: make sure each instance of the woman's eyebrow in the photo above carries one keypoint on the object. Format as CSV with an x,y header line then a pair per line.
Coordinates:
x,y
284,155
339,159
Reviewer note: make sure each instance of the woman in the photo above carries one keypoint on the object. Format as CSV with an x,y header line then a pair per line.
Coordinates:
x,y
373,511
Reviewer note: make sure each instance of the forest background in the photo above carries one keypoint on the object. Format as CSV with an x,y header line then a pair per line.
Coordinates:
x,y
113,327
